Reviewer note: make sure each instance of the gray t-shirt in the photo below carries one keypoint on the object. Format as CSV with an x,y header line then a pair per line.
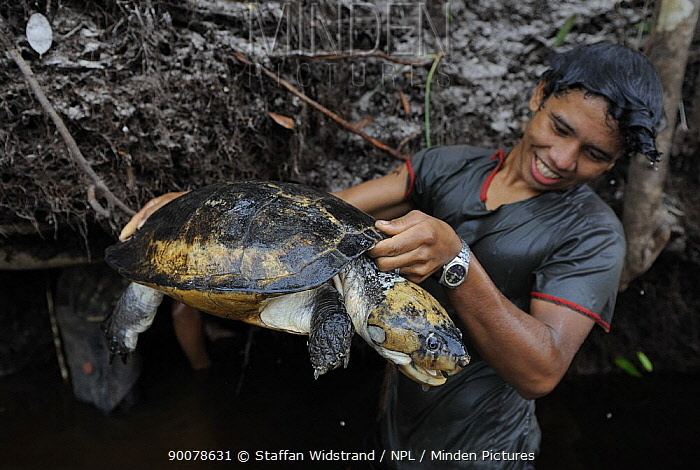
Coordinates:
x,y
565,247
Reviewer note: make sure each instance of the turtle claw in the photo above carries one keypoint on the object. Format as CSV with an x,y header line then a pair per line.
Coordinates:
x,y
320,369
117,347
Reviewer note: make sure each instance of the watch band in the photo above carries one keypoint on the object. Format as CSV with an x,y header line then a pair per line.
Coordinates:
x,y
455,272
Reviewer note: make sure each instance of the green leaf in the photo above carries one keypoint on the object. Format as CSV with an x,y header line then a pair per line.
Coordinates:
x,y
627,366
564,31
644,361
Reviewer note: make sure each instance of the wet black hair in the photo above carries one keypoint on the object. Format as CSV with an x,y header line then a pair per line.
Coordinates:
x,y
625,78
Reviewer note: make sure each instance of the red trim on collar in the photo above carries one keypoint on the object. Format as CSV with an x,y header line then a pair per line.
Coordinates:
x,y
501,156
574,306
411,179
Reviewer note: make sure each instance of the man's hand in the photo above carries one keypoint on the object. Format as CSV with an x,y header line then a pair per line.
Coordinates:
x,y
419,245
141,216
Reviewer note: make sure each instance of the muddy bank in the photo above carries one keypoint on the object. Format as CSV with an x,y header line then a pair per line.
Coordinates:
x,y
156,101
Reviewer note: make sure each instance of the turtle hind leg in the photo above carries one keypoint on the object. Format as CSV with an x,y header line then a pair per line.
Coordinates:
x,y
330,332
132,315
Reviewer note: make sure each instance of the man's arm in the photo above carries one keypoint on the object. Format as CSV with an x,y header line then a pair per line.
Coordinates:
x,y
382,197
530,351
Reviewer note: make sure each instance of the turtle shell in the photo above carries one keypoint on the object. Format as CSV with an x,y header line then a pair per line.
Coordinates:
x,y
249,237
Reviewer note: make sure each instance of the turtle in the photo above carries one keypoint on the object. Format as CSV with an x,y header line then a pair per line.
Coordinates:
x,y
286,257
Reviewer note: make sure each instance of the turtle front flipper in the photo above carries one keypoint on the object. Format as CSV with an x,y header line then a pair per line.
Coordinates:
x,y
132,315
330,332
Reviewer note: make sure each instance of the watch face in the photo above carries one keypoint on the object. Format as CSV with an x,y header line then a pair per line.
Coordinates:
x,y
455,274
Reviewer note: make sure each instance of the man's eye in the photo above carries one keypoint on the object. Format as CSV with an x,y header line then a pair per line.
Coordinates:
x,y
598,157
560,130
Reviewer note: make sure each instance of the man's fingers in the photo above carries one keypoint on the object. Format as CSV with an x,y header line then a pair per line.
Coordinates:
x,y
395,226
398,244
139,219
415,272
129,229
412,262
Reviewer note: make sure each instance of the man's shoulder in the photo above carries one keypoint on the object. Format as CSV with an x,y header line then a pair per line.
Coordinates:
x,y
436,163
593,213
456,152
592,205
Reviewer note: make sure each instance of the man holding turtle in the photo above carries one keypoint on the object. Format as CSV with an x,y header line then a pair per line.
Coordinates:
x,y
520,251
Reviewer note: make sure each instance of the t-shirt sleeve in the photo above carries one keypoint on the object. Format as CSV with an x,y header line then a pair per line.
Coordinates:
x,y
432,168
583,272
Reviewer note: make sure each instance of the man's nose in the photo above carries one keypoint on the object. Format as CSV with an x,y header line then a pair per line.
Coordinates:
x,y
564,156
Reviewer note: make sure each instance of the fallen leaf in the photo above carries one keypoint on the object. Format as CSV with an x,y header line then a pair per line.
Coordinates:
x,y
284,121
39,33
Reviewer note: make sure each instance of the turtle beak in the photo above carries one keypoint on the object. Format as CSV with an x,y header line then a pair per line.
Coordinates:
x,y
464,360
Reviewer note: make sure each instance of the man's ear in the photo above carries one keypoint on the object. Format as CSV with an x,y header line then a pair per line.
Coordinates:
x,y
536,99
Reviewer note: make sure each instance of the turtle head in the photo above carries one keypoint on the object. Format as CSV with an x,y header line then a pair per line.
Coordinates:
x,y
410,328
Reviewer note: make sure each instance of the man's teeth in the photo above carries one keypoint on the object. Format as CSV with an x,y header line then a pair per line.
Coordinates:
x,y
545,171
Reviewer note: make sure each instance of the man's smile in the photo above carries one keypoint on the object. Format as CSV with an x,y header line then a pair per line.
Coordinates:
x,y
542,173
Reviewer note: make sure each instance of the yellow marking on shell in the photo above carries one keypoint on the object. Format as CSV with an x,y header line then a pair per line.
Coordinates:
x,y
232,305
181,260
266,264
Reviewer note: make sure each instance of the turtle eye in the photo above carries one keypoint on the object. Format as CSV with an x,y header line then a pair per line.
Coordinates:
x,y
432,342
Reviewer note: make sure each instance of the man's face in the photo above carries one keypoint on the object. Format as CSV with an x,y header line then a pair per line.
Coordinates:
x,y
570,140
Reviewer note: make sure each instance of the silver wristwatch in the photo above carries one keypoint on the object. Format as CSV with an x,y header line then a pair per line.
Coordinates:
x,y
455,272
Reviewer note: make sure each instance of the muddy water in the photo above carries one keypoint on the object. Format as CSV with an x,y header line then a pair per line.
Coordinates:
x,y
591,423
280,406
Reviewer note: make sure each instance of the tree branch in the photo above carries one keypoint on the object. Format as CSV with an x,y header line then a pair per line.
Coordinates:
x,y
317,106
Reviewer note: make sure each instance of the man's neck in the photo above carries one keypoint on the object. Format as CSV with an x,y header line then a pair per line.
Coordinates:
x,y
508,186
